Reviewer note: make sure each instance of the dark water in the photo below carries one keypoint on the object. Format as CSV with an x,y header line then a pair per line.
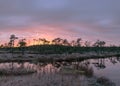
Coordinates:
x,y
109,67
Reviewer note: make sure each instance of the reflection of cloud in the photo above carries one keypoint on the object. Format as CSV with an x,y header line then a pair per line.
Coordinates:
x,y
63,18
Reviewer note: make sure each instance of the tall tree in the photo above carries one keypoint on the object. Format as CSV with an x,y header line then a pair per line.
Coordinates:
x,y
87,44
78,42
57,41
35,41
22,45
12,42
99,43
65,42
43,41
72,43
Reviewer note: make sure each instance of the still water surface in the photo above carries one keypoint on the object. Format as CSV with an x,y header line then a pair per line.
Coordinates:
x,y
109,67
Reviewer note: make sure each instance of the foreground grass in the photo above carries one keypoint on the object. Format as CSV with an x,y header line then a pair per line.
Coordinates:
x,y
50,79
49,75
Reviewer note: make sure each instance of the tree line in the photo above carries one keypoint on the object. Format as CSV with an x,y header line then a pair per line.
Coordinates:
x,y
57,45
56,41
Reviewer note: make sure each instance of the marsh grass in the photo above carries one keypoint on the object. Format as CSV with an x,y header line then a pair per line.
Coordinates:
x,y
49,75
16,72
78,69
87,70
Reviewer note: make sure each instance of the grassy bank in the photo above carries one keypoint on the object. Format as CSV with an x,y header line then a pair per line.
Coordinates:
x,y
55,57
60,49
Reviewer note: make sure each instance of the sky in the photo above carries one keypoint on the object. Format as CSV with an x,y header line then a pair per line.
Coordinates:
x,y
71,19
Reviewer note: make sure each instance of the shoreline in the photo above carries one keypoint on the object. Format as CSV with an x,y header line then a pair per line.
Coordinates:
x,y
53,57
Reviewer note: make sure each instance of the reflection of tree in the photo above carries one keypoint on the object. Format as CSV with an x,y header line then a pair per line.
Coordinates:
x,y
100,64
43,64
87,62
60,64
57,64
113,60
118,59
12,65
85,67
21,65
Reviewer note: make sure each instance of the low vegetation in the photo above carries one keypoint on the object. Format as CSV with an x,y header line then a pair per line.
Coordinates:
x,y
16,72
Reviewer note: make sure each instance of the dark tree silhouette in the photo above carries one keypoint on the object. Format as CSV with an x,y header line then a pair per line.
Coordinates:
x,y
65,42
57,41
39,41
12,41
44,41
78,42
87,44
72,43
22,45
1,46
35,41
99,43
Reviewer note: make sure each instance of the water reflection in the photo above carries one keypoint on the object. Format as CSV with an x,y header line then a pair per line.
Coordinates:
x,y
108,68
78,70
99,63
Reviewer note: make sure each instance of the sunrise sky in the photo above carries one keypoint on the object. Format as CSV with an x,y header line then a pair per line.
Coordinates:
x,y
87,19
